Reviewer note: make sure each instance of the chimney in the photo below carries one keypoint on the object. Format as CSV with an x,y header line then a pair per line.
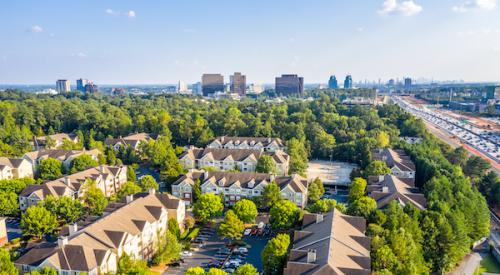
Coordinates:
x,y
381,178
62,241
385,189
311,256
129,198
101,168
205,175
222,139
73,228
319,218
272,177
152,191
67,181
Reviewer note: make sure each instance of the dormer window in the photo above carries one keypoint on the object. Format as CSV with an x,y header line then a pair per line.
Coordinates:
x,y
251,184
222,181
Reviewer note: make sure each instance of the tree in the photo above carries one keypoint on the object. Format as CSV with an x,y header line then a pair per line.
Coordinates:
x,y
284,215
383,140
6,265
271,194
148,182
231,227
95,200
489,186
189,223
50,169
45,271
458,156
357,189
169,248
196,190
9,205
362,207
207,207
266,164
315,190
376,168
173,227
476,167
246,269
131,173
195,271
274,254
66,208
128,265
82,162
49,142
246,210
38,221
298,157
216,271
128,188
322,206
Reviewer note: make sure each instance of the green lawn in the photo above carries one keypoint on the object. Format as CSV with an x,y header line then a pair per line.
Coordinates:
x,y
488,264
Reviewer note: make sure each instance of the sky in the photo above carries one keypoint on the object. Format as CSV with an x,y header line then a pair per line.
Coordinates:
x,y
160,42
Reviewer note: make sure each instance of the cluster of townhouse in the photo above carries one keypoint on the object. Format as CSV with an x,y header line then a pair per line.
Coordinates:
x,y
41,142
397,186
133,141
132,227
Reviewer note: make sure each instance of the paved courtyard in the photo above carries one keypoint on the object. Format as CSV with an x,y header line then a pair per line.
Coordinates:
x,y
330,173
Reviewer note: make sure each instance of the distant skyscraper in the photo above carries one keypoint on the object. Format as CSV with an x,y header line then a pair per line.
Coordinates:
x,y
238,83
212,83
407,83
332,83
182,87
289,84
196,87
91,88
63,86
80,84
392,82
348,82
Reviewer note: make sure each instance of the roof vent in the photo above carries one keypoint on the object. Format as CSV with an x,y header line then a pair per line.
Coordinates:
x,y
73,228
385,189
319,218
129,198
152,191
62,241
311,256
381,178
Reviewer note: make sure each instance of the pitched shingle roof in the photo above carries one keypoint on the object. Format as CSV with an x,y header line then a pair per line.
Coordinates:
x,y
10,162
393,188
265,141
394,158
59,154
236,154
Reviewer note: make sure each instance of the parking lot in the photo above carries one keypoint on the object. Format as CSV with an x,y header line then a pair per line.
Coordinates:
x,y
330,173
214,252
13,229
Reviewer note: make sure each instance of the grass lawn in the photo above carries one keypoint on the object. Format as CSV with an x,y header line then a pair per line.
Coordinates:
x,y
488,264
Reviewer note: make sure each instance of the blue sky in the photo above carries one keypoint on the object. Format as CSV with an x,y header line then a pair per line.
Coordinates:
x,y
134,42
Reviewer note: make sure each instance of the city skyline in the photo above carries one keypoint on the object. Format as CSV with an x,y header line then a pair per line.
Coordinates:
x,y
128,42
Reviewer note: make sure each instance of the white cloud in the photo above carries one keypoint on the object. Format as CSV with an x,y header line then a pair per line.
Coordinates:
x,y
406,8
36,29
466,6
131,14
111,12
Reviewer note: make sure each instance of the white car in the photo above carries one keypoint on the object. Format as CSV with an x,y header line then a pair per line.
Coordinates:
x,y
247,232
243,249
186,253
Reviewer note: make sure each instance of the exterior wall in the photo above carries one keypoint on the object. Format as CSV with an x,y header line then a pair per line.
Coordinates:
x,y
25,170
6,173
3,232
402,174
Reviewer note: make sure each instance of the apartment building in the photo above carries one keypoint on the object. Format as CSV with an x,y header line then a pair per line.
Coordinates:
x,y
65,156
387,188
41,142
15,168
244,160
254,143
397,160
107,178
131,140
238,185
332,243
133,229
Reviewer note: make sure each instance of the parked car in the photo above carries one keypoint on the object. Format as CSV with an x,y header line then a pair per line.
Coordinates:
x,y
247,232
186,253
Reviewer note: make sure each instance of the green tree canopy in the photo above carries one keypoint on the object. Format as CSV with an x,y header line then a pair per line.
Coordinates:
x,y
246,269
246,210
173,227
284,215
169,249
231,227
148,182
95,200
357,189
66,208
274,254
266,164
50,169
6,265
207,207
271,194
298,157
128,188
376,168
322,206
362,207
82,162
38,221
315,190
195,271
9,205
128,265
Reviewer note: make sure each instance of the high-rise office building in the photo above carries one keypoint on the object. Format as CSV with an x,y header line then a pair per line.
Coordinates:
x,y
348,82
289,84
91,88
212,83
332,83
407,83
196,87
391,82
182,87
238,83
63,86
80,84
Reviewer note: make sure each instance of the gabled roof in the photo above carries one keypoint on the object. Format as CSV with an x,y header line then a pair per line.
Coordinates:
x,y
11,162
87,248
131,140
265,141
393,188
394,158
57,137
236,154
59,154
337,241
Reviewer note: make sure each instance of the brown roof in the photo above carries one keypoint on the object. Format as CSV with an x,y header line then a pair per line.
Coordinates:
x,y
235,154
244,179
393,188
265,141
131,140
59,153
58,137
87,248
337,241
10,162
394,158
